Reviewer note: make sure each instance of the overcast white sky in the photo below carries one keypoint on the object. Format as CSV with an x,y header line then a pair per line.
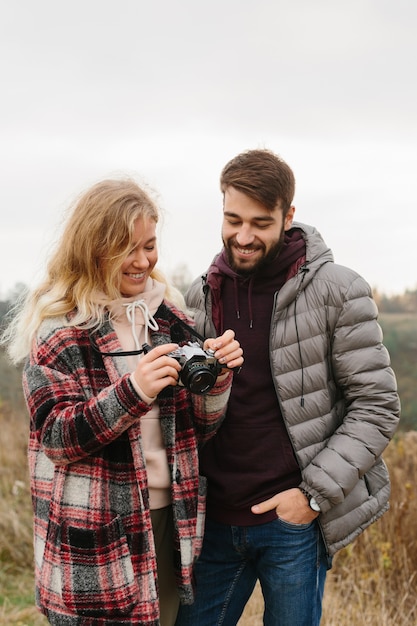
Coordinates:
x,y
169,91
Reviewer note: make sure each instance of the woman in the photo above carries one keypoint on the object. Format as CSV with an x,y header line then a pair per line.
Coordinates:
x,y
118,503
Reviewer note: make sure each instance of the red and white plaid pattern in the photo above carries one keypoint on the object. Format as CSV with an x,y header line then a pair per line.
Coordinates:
x,y
94,551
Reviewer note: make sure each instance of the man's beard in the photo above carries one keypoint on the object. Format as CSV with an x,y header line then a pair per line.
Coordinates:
x,y
268,258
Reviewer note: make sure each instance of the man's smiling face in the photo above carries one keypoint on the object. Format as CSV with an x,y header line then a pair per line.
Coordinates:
x,y
252,234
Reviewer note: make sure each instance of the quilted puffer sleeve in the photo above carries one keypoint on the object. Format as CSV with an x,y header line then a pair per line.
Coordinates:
x,y
361,369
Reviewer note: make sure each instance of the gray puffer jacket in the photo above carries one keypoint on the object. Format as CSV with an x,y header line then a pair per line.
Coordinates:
x,y
336,389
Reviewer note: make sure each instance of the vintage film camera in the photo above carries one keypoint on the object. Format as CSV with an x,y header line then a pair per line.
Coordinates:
x,y
199,367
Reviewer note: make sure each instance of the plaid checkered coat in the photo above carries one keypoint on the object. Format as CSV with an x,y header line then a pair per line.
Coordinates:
x,y
95,558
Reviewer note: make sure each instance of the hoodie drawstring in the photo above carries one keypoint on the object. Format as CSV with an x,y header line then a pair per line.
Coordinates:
x,y
250,288
236,299
148,319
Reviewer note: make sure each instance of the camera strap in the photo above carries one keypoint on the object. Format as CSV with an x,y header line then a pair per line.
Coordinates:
x,y
190,329
145,349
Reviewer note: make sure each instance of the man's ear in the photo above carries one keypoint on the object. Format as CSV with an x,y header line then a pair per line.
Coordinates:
x,y
289,218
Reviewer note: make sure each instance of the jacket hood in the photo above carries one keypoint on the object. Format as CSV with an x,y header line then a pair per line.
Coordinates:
x,y
317,254
317,251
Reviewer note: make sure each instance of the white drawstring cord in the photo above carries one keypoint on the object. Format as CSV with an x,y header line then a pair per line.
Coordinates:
x,y
149,321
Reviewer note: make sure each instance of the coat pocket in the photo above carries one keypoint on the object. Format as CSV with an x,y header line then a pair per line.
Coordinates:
x,y
97,572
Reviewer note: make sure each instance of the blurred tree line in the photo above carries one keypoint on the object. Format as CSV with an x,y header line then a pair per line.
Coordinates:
x,y
400,303
398,319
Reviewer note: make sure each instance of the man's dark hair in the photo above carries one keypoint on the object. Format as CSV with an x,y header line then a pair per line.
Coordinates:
x,y
261,175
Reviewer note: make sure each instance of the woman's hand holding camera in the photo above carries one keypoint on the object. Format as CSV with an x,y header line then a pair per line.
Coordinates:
x,y
156,370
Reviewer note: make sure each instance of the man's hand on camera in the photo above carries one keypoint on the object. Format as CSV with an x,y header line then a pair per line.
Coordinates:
x,y
226,349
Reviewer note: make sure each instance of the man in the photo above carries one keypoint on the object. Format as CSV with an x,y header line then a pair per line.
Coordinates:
x,y
295,471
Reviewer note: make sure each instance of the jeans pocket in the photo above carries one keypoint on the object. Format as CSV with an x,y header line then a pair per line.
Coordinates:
x,y
293,525
97,572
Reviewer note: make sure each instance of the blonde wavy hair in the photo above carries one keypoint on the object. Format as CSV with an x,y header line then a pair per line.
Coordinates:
x,y
83,274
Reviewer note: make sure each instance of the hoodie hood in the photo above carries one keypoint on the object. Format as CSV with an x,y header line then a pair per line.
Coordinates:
x,y
136,313
316,253
270,276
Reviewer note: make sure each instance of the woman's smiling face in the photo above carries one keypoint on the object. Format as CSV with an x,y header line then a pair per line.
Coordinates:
x,y
141,260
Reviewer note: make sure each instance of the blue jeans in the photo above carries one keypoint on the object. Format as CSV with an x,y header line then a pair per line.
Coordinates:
x,y
288,559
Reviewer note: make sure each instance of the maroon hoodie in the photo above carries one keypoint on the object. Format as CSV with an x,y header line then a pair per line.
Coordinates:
x,y
251,458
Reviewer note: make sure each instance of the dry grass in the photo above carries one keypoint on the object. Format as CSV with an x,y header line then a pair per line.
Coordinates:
x,y
16,577
373,581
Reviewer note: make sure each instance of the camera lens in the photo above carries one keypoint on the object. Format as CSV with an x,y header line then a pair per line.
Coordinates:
x,y
201,382
198,377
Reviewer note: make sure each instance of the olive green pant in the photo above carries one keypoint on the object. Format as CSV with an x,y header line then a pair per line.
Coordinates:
x,y
163,530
